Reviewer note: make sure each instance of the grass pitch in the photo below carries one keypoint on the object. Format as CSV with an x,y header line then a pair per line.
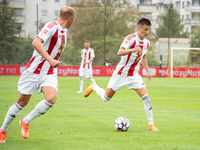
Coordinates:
x,y
78,123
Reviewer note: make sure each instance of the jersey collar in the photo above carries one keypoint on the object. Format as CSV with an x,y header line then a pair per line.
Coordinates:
x,y
138,37
60,27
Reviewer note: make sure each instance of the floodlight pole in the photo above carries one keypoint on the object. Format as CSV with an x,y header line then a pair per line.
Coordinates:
x,y
105,17
169,28
171,72
37,17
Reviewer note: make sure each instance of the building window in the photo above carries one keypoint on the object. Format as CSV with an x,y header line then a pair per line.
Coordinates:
x,y
57,1
183,5
193,15
178,5
188,3
44,1
44,13
56,13
18,12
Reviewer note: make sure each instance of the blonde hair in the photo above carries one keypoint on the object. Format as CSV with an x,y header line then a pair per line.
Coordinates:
x,y
67,12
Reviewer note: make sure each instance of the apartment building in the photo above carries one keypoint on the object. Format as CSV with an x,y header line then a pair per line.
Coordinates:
x,y
29,11
189,11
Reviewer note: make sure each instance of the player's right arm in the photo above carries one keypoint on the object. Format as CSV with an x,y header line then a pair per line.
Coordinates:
x,y
125,47
122,51
37,44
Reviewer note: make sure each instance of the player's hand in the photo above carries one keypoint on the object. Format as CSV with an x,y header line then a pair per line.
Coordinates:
x,y
149,76
137,49
86,62
55,63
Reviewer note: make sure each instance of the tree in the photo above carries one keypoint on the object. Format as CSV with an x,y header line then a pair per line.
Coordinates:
x,y
13,49
8,32
121,20
195,38
39,24
171,25
194,55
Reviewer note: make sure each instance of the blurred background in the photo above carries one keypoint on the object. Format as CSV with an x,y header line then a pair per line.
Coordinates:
x,y
175,23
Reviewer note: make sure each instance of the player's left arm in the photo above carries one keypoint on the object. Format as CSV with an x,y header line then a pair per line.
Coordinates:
x,y
91,59
146,67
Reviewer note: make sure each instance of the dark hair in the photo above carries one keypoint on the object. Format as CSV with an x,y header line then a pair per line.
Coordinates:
x,y
144,21
87,41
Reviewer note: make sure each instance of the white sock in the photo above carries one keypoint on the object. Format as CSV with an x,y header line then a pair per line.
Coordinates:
x,y
12,113
148,108
81,83
101,93
41,108
92,80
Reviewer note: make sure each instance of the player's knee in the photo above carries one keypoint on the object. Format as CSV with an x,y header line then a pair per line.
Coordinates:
x,y
51,98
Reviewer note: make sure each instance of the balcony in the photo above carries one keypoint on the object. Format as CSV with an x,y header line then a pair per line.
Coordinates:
x,y
147,8
157,1
21,34
192,21
193,8
17,3
20,19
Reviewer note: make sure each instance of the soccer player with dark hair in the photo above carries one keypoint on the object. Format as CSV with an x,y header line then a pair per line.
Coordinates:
x,y
133,52
85,70
41,72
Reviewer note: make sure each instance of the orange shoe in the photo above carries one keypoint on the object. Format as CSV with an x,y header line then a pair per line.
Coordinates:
x,y
152,127
89,90
25,127
2,136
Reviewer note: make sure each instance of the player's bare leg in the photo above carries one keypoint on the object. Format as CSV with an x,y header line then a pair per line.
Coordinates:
x,y
147,107
50,94
109,93
41,108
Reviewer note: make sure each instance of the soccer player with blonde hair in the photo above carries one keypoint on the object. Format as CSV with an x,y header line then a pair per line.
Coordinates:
x,y
41,72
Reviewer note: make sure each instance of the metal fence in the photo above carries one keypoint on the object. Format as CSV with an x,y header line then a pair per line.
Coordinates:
x,y
67,59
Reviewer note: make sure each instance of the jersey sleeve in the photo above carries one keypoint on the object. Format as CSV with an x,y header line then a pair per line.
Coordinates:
x,y
45,33
147,46
82,53
126,43
92,53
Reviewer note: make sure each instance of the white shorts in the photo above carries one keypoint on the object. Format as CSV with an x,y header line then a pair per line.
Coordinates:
x,y
30,82
87,73
117,82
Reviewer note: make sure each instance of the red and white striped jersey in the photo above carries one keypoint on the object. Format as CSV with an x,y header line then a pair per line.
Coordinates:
x,y
55,39
86,55
129,65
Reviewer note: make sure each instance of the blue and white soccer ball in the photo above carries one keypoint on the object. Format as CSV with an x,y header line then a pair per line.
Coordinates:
x,y
122,124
